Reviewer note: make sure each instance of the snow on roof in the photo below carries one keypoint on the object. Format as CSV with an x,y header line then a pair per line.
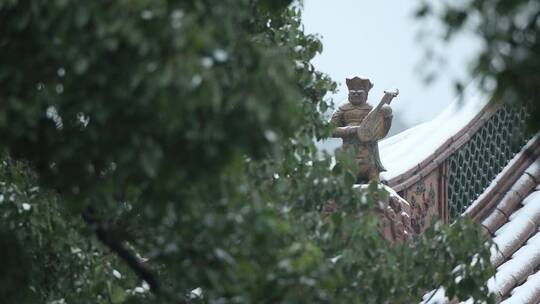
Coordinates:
x,y
521,233
519,224
516,255
505,278
526,293
438,298
407,149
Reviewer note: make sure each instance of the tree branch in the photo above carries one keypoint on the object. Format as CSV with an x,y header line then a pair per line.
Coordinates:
x,y
106,236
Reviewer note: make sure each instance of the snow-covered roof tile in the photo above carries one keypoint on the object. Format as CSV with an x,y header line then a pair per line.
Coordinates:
x,y
516,270
528,292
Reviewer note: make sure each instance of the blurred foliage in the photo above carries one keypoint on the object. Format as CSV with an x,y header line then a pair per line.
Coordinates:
x,y
508,65
46,254
183,132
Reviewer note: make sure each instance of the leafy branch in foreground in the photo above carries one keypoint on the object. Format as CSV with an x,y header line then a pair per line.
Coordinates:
x,y
507,66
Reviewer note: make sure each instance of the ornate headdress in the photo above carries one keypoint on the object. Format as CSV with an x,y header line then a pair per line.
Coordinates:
x,y
357,83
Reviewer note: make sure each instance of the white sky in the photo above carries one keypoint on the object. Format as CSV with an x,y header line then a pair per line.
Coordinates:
x,y
377,39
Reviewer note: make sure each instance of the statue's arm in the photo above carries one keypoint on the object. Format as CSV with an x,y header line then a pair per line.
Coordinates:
x,y
386,112
337,121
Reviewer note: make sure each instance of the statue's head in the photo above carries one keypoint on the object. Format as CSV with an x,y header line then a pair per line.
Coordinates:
x,y
358,89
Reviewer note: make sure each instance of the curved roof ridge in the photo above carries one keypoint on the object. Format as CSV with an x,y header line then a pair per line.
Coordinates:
x,y
420,149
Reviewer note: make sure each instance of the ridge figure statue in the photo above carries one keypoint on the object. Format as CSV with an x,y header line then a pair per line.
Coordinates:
x,y
360,126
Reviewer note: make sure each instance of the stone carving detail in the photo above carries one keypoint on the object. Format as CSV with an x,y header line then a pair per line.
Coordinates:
x,y
394,214
396,219
360,126
424,199
402,218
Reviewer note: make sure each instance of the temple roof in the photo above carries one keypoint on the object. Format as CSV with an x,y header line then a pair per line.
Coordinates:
x,y
405,151
509,212
474,160
513,222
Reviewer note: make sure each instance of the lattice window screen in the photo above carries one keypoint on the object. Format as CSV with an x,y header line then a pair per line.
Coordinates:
x,y
475,164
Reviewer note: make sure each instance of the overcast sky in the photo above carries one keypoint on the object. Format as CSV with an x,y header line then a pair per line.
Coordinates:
x,y
377,39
